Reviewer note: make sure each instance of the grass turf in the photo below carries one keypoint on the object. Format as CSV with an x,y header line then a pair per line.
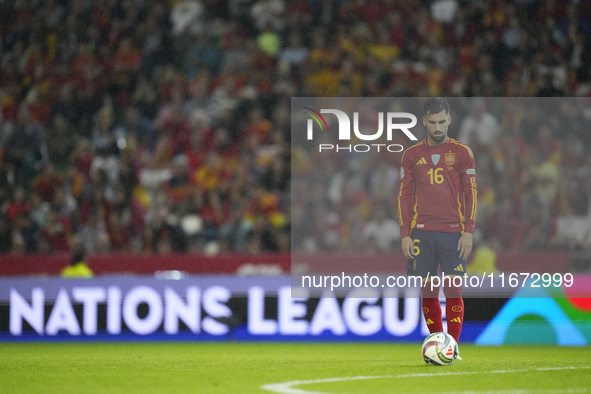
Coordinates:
x,y
243,368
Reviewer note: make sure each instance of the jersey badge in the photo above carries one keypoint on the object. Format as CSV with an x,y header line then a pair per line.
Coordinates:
x,y
435,159
450,159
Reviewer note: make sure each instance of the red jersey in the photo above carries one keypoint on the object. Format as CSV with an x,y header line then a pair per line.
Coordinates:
x,y
444,181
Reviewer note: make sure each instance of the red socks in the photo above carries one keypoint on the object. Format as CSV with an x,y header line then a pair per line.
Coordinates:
x,y
454,309
432,308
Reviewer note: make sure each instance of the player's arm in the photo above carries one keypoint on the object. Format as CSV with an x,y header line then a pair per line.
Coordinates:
x,y
468,179
405,203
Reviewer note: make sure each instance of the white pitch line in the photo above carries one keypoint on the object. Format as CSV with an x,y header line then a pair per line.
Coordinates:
x,y
287,387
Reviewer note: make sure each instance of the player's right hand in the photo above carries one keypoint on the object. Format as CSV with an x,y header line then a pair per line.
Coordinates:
x,y
407,248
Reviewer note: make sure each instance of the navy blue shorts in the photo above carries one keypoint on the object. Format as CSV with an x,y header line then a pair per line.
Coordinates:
x,y
434,250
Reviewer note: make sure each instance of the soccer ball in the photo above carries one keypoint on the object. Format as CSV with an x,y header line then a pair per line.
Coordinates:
x,y
440,348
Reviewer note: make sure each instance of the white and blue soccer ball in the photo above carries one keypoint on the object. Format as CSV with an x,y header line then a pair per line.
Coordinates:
x,y
440,349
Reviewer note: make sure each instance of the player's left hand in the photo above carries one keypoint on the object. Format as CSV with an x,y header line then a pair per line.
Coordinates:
x,y
465,245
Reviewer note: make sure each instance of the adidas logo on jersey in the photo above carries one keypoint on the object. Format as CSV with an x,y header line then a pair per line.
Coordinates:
x,y
459,268
456,320
422,161
429,321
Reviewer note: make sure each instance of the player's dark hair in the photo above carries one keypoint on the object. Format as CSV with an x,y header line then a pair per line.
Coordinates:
x,y
434,105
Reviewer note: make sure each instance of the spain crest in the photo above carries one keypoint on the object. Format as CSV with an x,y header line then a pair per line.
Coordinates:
x,y
450,159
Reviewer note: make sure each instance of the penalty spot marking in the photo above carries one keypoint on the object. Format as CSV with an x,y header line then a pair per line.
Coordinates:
x,y
287,387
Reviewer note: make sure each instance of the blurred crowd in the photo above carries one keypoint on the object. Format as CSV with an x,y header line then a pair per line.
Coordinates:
x,y
154,126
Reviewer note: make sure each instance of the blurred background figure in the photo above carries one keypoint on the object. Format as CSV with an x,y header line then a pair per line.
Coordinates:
x,y
78,268
382,231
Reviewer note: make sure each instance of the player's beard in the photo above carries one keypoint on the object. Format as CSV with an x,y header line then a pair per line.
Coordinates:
x,y
439,139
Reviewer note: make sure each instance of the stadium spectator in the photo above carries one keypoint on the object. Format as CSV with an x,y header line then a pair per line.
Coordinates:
x,y
103,138
268,13
93,232
26,230
78,267
17,205
135,125
118,234
381,230
25,149
57,231
204,54
262,237
65,107
295,53
5,235
276,176
186,17
65,203
39,209
46,182
480,128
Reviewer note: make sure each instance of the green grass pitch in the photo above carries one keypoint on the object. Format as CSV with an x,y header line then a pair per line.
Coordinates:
x,y
247,367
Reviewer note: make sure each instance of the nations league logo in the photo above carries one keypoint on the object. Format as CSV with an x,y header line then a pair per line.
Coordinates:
x,y
345,130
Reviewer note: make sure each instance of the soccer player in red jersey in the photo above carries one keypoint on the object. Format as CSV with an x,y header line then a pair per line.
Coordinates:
x,y
437,212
